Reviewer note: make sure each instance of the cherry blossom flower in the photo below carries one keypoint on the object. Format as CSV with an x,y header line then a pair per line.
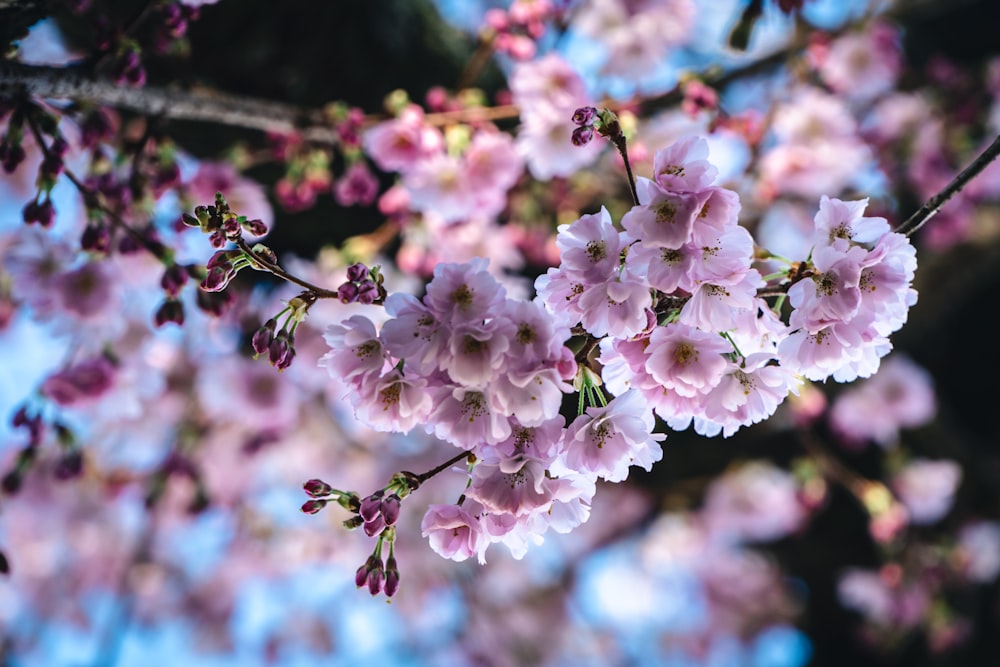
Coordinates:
x,y
452,532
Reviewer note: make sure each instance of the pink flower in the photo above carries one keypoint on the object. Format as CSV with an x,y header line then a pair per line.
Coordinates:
x,y
606,441
863,65
686,360
590,247
683,167
438,184
452,532
832,293
749,392
464,292
401,143
664,218
81,382
900,395
841,222
509,486
394,402
551,81
355,351
666,269
616,306
467,418
476,352
758,501
717,307
357,186
927,488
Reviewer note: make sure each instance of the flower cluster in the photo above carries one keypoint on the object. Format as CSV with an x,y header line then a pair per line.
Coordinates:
x,y
671,301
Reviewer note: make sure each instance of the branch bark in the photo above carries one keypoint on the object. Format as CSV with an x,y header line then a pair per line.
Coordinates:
x,y
934,204
202,106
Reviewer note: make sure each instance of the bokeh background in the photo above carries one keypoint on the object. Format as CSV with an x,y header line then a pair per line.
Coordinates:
x,y
180,540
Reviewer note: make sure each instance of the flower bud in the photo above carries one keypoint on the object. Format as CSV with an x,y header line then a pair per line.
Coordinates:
x,y
317,488
348,292
375,578
375,526
391,576
313,505
357,272
218,278
391,506
263,336
96,238
174,279
255,227
353,522
584,116
367,292
170,310
371,506
582,135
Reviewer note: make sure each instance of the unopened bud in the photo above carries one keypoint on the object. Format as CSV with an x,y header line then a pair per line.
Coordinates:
x,y
357,272
348,292
317,488
375,526
313,505
584,116
170,311
262,338
255,227
391,506
391,577
371,506
582,135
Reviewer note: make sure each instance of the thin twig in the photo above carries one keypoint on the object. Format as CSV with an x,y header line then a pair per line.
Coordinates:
x,y
444,466
934,204
318,292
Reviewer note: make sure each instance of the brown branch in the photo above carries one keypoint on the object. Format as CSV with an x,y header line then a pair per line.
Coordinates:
x,y
202,106
934,204
274,269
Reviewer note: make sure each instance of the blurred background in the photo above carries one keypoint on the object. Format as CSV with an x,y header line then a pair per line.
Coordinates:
x,y
154,519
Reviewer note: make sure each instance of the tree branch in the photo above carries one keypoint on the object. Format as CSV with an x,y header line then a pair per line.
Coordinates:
x,y
934,204
212,107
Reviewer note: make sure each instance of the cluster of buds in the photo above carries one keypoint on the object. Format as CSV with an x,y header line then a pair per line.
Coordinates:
x,y
221,224
279,344
363,285
307,175
175,277
516,31
128,69
698,97
175,17
377,514
590,121
70,463
380,577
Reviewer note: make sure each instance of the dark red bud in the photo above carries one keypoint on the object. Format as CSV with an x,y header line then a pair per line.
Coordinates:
x,y
582,135
371,506
313,505
391,506
357,272
169,311
317,488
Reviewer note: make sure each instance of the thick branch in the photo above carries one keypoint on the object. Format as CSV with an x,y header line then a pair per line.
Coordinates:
x,y
934,204
232,110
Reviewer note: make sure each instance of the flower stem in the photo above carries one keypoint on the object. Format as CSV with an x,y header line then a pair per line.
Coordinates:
x,y
934,204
